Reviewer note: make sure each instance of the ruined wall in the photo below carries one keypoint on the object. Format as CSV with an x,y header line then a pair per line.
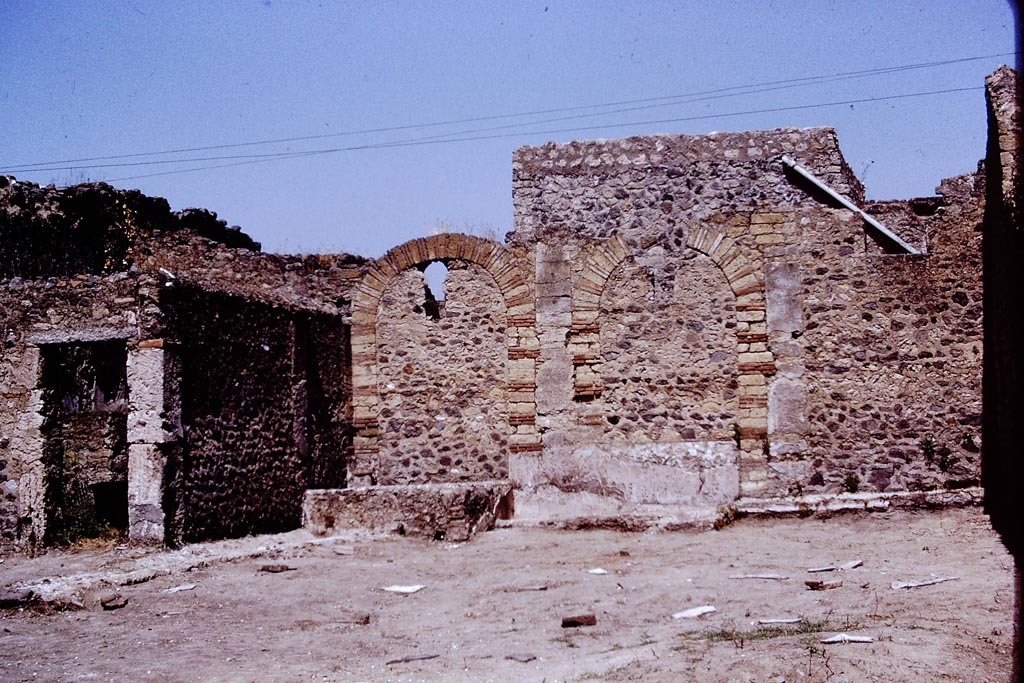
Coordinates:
x,y
648,189
38,313
316,282
90,228
91,264
328,396
667,335
878,355
1004,313
256,429
676,319
650,411
491,286
839,366
603,204
442,380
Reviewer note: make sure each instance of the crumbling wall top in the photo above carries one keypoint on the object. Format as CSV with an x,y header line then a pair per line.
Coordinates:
x,y
817,148
1004,129
91,228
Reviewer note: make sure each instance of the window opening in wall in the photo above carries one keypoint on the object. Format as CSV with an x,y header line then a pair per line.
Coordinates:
x,y
85,454
434,274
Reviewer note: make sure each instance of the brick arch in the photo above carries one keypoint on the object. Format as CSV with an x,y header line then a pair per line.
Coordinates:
x,y
511,277
756,363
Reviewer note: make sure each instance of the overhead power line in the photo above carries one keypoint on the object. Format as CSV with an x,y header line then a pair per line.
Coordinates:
x,y
468,137
633,105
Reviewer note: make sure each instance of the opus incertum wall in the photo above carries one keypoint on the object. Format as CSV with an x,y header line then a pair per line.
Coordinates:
x,y
512,278
674,320
742,269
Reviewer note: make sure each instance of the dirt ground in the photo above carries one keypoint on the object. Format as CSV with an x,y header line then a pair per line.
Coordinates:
x,y
491,609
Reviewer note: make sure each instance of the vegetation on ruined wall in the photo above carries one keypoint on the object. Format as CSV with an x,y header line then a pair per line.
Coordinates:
x,y
91,228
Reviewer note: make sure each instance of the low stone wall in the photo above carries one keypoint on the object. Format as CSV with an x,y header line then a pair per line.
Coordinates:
x,y
452,512
691,473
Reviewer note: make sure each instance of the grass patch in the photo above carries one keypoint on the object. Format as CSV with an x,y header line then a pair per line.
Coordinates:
x,y
565,639
765,632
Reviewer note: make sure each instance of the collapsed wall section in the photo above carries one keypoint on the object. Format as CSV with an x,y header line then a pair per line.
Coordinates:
x,y
90,228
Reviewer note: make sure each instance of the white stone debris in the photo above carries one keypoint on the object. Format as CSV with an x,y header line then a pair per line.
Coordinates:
x,y
763,577
845,566
405,590
694,612
775,622
846,638
898,585
178,589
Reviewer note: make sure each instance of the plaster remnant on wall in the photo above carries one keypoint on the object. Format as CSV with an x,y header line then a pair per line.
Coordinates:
x,y
783,294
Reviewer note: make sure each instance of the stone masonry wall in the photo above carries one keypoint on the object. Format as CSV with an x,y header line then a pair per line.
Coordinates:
x,y
652,387
504,269
878,355
443,389
650,188
37,313
809,303
162,253
320,282
668,350
249,417
328,396
676,319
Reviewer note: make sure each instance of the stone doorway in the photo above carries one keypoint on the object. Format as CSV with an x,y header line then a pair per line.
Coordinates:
x,y
85,452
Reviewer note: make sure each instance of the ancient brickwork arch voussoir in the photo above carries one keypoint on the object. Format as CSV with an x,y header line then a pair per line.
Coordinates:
x,y
756,363
511,276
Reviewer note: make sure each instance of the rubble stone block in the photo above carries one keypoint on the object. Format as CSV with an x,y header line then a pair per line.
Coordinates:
x,y
453,512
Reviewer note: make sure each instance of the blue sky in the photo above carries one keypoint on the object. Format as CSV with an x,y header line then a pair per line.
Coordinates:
x,y
90,79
